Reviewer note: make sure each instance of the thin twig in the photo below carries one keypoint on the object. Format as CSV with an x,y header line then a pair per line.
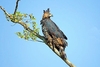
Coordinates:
x,y
40,37
16,7
37,41
4,11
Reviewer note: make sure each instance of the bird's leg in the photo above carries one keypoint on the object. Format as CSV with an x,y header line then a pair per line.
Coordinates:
x,y
53,42
49,40
62,52
53,45
63,55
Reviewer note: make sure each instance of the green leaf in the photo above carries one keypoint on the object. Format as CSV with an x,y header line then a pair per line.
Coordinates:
x,y
32,17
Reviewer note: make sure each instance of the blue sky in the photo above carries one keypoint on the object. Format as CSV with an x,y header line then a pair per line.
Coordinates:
x,y
78,19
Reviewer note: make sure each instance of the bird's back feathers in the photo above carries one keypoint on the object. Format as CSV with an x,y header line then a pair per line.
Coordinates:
x,y
52,28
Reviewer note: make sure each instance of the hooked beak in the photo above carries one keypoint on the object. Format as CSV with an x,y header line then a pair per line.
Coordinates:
x,y
51,15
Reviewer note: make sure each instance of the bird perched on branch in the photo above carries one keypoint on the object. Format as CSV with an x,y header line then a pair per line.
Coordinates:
x,y
53,34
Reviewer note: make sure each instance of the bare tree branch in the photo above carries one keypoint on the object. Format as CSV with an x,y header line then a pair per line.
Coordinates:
x,y
16,7
4,11
39,36
37,41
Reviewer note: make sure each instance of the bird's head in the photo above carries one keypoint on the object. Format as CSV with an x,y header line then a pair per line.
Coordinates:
x,y
46,14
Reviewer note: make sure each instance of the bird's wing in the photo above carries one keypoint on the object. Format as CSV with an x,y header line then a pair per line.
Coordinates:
x,y
53,29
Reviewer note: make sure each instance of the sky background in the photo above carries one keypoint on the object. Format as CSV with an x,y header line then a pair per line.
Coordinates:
x,y
78,19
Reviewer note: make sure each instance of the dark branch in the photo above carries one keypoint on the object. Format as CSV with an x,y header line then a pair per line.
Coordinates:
x,y
4,11
39,36
16,7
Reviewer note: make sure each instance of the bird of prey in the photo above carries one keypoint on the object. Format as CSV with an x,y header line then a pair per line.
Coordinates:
x,y
53,34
